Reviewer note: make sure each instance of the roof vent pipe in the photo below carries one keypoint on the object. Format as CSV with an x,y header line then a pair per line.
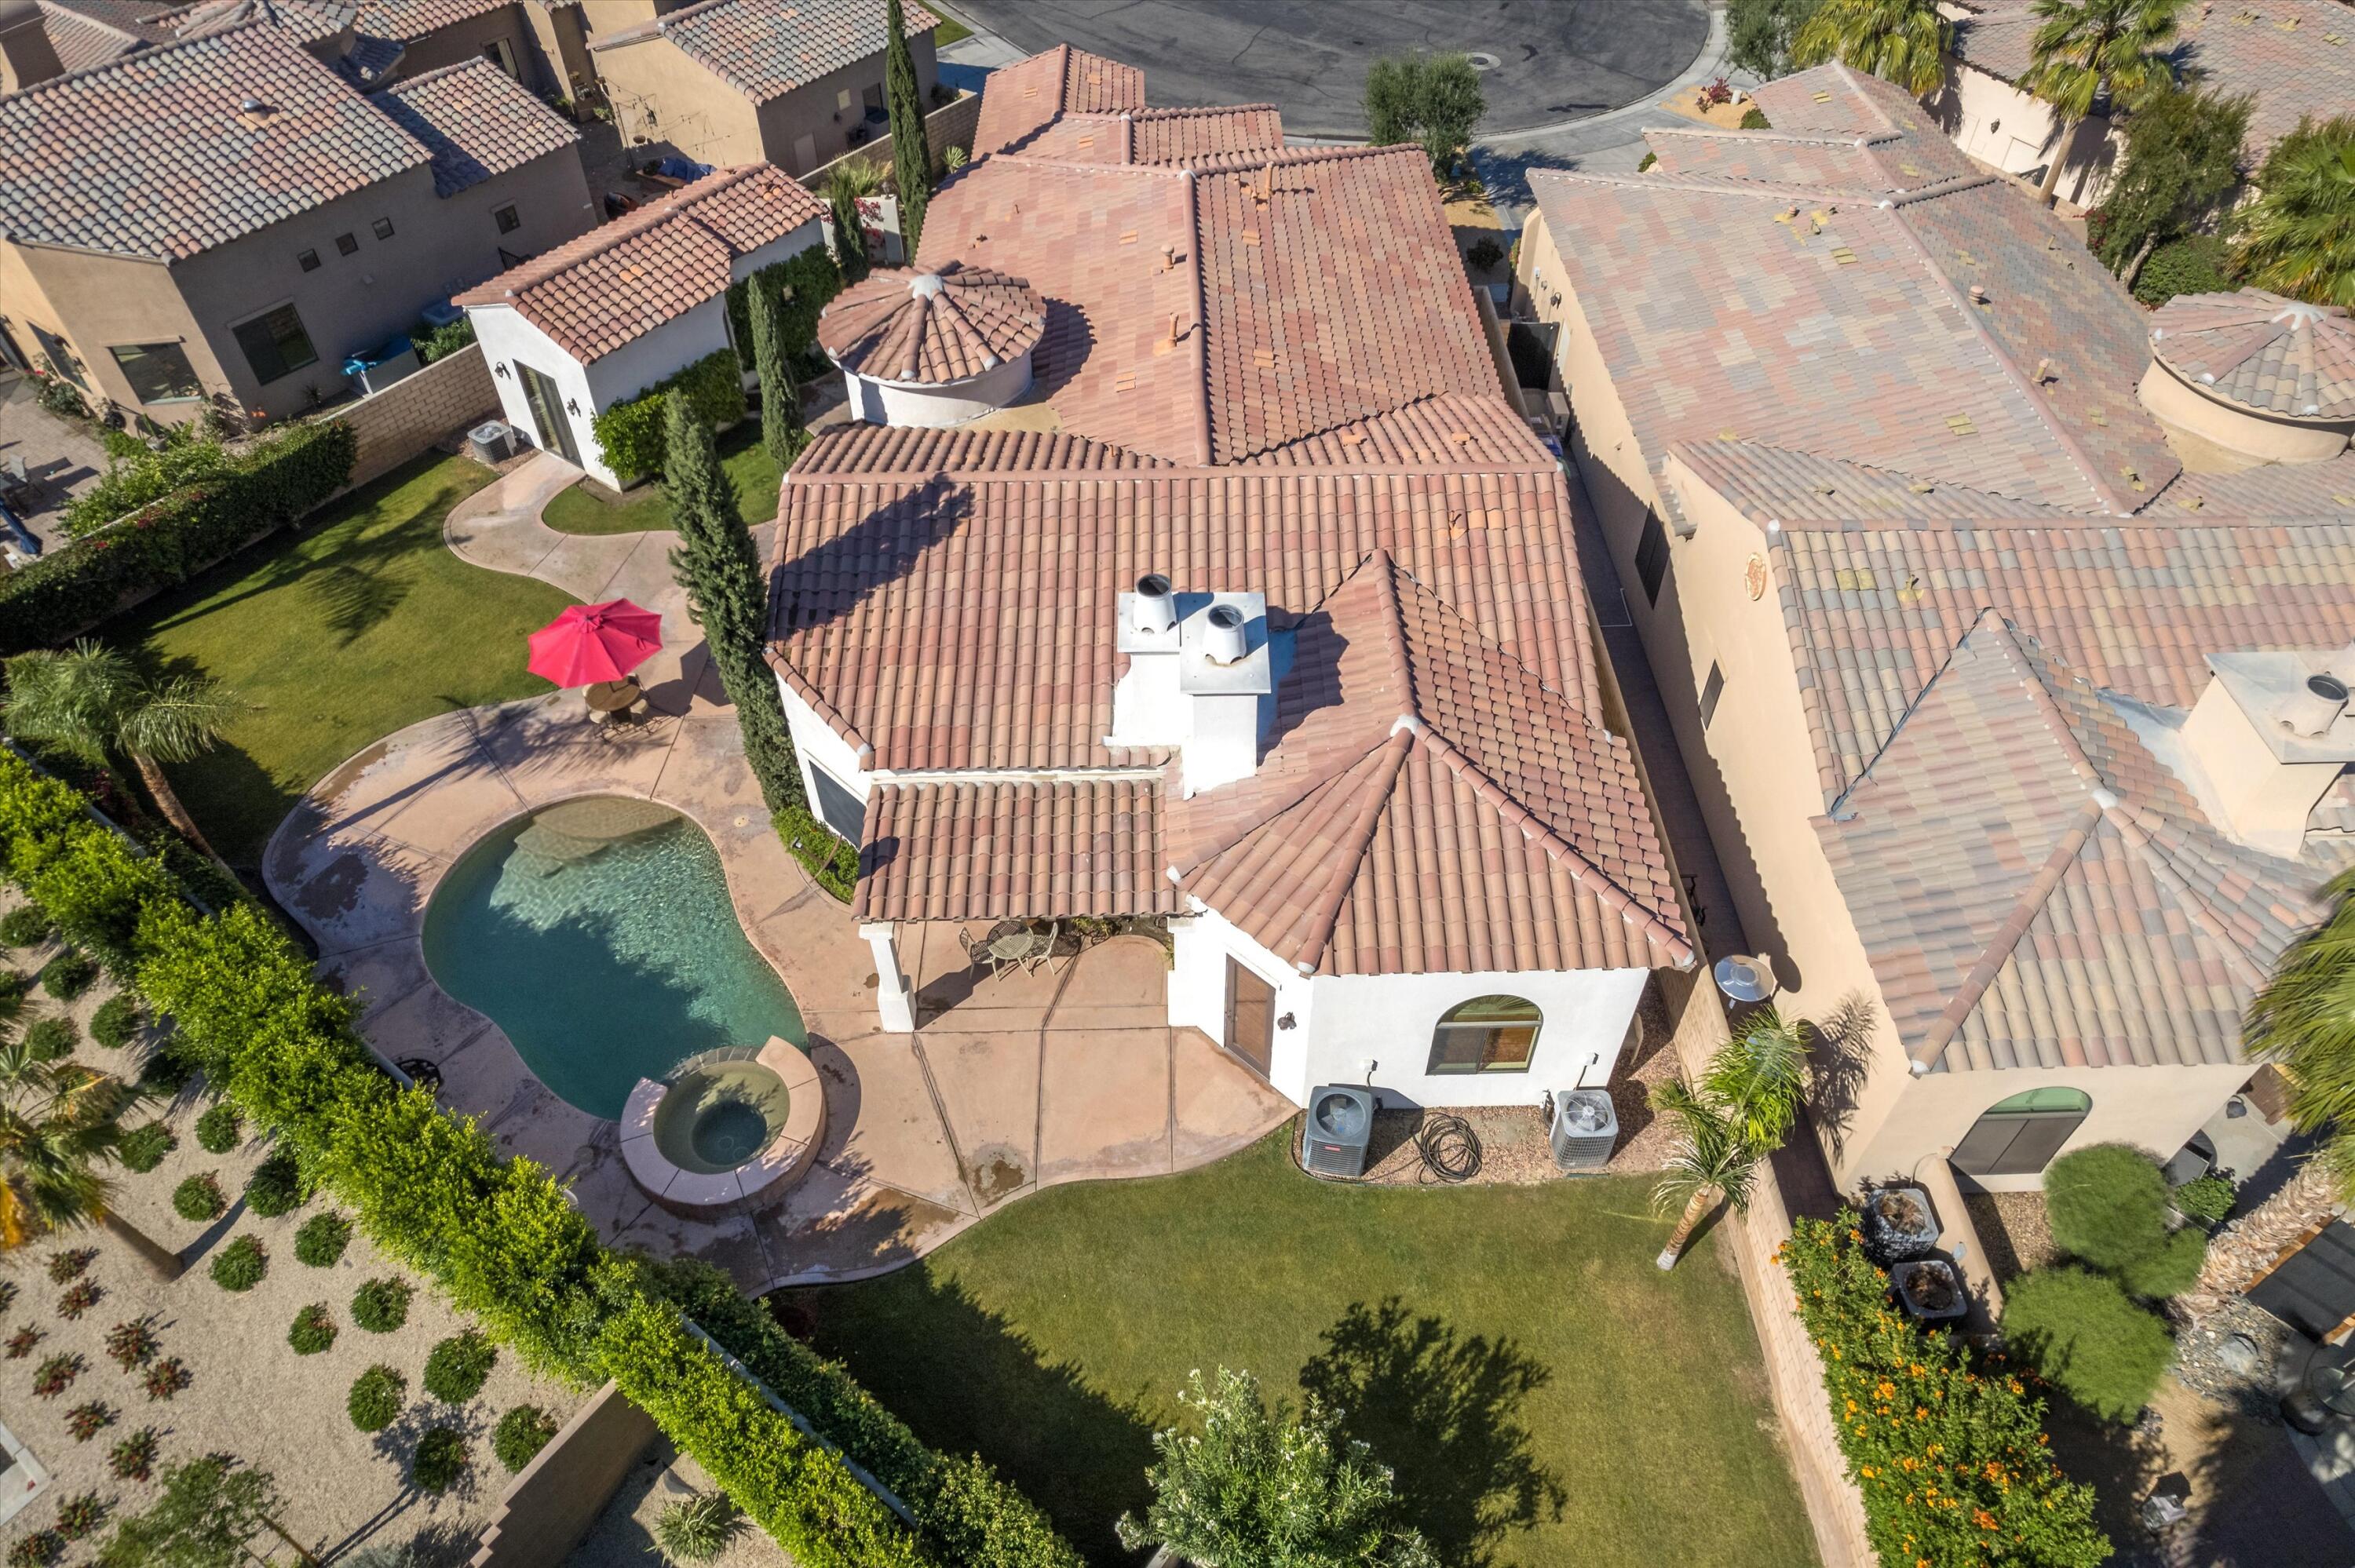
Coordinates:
x,y
1223,637
1155,608
2313,708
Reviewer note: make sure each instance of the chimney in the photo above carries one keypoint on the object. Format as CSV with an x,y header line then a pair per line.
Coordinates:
x,y
2270,735
1200,679
27,55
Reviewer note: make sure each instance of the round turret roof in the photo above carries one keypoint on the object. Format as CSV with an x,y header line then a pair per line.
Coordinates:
x,y
2261,351
931,328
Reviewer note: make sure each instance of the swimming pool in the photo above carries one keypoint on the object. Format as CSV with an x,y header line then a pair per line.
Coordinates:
x,y
599,935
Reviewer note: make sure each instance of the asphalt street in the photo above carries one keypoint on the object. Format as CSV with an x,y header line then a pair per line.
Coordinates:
x,y
1543,61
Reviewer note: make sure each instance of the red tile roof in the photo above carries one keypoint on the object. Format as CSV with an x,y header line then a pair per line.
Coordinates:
x,y
1188,138
615,283
2274,355
476,120
1429,804
765,49
996,849
2324,489
908,326
1020,99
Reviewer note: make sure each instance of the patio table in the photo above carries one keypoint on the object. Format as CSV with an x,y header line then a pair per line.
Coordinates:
x,y
608,699
1014,948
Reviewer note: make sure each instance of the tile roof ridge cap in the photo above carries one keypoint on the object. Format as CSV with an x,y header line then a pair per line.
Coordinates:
x,y
1537,830
697,12
439,73
1183,110
1066,166
2019,378
1871,104
1768,134
1706,185
807,690
143,55
1342,869
1836,804
1402,660
1200,351
1311,780
1952,185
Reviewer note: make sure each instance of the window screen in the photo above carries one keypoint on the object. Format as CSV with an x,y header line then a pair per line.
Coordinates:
x,y
1652,557
838,806
159,372
1710,689
275,345
1487,1035
2019,1136
507,219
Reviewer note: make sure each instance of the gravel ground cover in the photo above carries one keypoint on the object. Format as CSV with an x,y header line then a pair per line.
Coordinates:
x,y
247,1392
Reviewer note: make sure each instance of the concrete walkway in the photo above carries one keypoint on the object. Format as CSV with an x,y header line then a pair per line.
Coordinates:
x,y
1017,1083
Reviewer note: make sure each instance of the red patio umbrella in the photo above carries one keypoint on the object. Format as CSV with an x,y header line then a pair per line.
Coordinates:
x,y
592,642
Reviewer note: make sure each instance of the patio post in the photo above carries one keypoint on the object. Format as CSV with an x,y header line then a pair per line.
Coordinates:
x,y
895,1006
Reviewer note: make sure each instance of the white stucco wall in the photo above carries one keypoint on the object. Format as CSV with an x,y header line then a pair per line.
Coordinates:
x,y
1342,1023
816,743
1997,123
879,402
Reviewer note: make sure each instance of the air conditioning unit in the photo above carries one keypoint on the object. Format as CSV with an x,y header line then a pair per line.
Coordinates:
x,y
1582,1130
1336,1131
492,442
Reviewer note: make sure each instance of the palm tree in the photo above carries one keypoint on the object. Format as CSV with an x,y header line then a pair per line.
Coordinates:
x,y
1759,1077
58,1119
1711,1162
2303,1019
2298,237
88,701
2083,50
1903,41
845,184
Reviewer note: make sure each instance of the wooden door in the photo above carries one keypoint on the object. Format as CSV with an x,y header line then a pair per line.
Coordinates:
x,y
1250,1017
547,401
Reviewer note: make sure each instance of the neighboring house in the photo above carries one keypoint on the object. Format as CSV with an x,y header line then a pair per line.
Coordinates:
x,y
1200,571
1991,672
225,221
795,83
597,321
2294,57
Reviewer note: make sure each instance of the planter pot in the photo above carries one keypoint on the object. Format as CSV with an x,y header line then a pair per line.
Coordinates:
x,y
1930,1290
1899,1223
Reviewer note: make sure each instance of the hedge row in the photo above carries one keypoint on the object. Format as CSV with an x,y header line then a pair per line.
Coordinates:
x,y
498,1234
1949,1450
631,431
806,284
73,589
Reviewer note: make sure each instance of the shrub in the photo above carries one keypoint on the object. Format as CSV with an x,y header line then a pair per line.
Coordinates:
x,y
69,975
26,926
87,1421
134,1459
69,589
275,1187
455,1371
313,1330
2107,1206
240,1265
434,343
321,1239
1755,118
631,431
81,1514
1646,162
377,1397
7,1294
696,1530
38,1550
2088,1338
72,1263
522,1433
56,1375
440,1460
382,1305
2195,264
20,1343
78,1298
166,1378
166,1072
199,1198
51,1039
143,1148
220,1129
2208,1198
1979,1425
830,861
139,476
116,1022
1484,253
133,1344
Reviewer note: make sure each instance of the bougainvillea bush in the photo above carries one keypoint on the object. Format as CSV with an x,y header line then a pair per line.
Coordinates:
x,y
1947,1447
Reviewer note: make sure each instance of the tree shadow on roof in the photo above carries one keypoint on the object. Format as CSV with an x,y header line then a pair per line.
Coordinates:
x,y
829,582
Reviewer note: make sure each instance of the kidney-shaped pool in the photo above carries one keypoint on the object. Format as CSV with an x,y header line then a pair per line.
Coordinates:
x,y
599,935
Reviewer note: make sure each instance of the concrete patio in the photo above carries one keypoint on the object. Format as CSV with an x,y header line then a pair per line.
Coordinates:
x,y
1010,1084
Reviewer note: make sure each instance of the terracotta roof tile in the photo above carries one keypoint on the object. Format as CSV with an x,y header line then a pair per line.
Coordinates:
x,y
2324,489
1020,99
765,49
616,283
950,326
477,122
2275,355
1770,482
995,849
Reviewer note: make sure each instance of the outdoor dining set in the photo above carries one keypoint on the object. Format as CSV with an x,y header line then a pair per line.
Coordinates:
x,y
1024,945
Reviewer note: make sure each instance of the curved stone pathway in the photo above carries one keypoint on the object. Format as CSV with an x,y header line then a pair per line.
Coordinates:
x,y
1023,1082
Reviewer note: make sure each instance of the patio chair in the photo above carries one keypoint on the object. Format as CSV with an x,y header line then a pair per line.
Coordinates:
x,y
977,953
1043,948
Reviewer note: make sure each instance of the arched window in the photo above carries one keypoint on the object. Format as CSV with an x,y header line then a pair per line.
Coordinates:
x,y
1485,1034
2019,1137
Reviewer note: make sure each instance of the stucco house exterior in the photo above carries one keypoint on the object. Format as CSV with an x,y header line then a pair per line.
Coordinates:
x,y
223,221
598,320
795,83
2294,58
1987,658
1196,570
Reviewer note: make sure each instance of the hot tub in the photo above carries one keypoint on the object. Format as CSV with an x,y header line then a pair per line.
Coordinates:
x,y
727,1132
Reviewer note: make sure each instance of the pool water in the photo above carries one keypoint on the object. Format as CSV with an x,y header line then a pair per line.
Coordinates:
x,y
599,935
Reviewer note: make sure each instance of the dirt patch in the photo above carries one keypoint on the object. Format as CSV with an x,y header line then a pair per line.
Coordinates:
x,y
2011,1227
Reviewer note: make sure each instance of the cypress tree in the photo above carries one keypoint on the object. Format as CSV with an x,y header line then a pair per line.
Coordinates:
x,y
714,562
781,397
912,152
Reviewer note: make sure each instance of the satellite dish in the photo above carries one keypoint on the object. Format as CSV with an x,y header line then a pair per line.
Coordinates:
x,y
1744,979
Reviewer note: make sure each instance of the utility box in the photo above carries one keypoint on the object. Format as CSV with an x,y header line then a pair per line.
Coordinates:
x,y
490,443
1583,1130
1335,1134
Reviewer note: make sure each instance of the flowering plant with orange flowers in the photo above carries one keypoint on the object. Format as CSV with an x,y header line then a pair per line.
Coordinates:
x,y
1947,1445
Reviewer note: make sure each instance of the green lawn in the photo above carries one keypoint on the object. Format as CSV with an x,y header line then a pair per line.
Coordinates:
x,y
950,31
590,508
360,624
1545,1393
